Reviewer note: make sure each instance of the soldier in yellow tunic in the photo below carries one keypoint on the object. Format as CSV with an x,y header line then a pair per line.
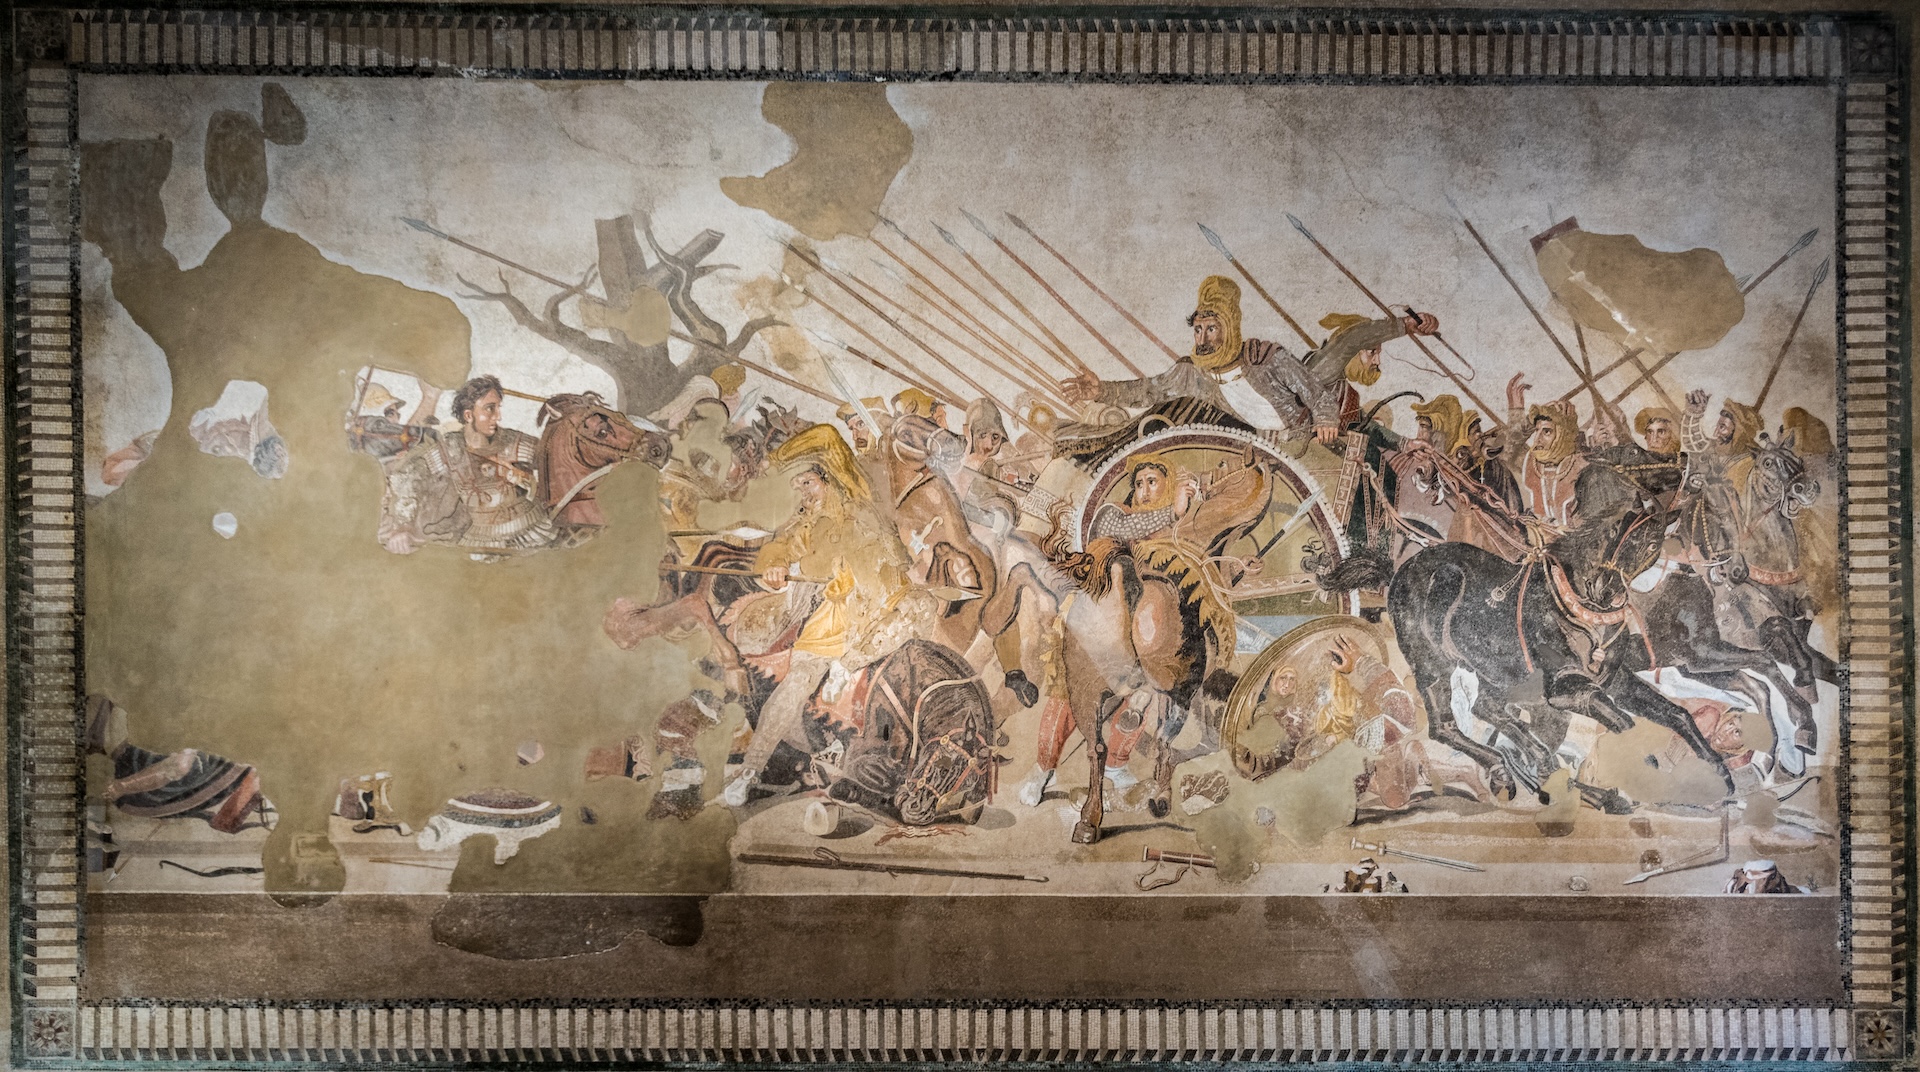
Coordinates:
x,y
839,555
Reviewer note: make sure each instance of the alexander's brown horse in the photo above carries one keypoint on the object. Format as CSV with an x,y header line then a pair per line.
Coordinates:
x,y
581,440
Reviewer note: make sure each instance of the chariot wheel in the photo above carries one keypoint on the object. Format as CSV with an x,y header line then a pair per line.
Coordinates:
x,y
1299,521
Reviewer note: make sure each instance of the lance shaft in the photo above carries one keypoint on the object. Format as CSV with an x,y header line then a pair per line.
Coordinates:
x,y
917,380
1038,389
1805,241
1781,357
1584,377
999,347
1375,299
1090,285
968,287
965,317
1220,245
834,278
1060,349
1085,324
789,381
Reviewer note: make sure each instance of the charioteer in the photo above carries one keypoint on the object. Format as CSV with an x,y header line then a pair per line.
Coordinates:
x,y
1262,382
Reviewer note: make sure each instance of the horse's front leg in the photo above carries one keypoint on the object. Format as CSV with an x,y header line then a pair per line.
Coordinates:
x,y
1094,811
1626,698
1442,727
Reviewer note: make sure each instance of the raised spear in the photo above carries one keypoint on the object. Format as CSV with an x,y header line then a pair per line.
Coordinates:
x,y
918,379
984,360
834,278
1805,241
1819,277
1084,323
968,287
1090,285
962,318
1531,308
1375,299
1248,276
788,380
1060,349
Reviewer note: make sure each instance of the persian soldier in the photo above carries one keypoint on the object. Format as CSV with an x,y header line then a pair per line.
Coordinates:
x,y
1259,381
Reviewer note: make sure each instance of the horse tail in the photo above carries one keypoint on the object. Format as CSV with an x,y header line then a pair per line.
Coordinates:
x,y
1446,585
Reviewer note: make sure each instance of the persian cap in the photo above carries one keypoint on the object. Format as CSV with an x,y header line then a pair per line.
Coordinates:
x,y
1747,425
1644,419
913,402
1449,423
1566,424
822,445
1220,298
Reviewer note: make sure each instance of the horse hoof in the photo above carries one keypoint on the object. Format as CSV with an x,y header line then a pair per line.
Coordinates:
x,y
1023,690
1085,833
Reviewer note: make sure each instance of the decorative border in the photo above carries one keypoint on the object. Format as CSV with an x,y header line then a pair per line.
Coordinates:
x,y
54,1026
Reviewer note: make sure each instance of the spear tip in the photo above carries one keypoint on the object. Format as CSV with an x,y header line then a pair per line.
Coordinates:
x,y
1298,226
1820,275
1018,222
1806,240
418,225
890,225
1215,241
948,237
975,220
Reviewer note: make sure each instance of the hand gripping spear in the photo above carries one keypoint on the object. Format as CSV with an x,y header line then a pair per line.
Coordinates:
x,y
1375,299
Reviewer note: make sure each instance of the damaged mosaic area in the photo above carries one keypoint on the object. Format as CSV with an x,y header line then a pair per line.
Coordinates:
x,y
727,487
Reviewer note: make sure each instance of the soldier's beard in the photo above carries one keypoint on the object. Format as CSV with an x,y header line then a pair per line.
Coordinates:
x,y
1362,372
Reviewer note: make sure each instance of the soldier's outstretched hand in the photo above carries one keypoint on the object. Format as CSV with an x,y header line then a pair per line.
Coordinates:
x,y
1517,389
1327,434
1082,388
1697,402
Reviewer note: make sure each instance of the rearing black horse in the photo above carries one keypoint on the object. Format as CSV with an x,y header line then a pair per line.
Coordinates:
x,y
1560,618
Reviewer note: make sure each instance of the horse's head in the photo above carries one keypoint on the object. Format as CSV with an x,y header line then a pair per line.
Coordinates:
x,y
1603,557
596,435
1780,479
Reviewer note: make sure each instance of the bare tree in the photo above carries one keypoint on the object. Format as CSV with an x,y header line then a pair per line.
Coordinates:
x,y
640,299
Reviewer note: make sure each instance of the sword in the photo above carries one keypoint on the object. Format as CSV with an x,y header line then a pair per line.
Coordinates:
x,y
1457,865
1300,513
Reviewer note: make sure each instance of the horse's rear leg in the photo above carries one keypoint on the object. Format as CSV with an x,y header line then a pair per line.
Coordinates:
x,y
1094,811
1442,728
1626,697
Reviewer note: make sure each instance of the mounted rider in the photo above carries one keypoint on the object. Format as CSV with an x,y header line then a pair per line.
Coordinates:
x,y
846,572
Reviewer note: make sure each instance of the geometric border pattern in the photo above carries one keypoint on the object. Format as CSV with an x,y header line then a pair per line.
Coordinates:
x,y
54,1024
933,1033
